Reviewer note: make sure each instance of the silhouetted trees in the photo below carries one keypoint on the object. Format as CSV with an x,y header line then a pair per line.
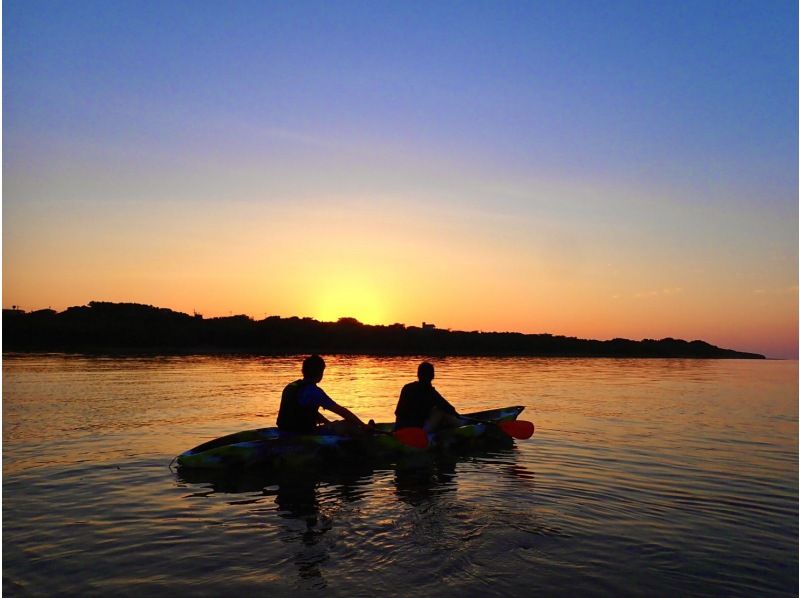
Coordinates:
x,y
135,328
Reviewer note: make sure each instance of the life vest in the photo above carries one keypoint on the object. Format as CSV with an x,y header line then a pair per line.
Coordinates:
x,y
292,416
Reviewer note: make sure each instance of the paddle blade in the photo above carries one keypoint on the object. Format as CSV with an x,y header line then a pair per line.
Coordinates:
x,y
518,429
413,437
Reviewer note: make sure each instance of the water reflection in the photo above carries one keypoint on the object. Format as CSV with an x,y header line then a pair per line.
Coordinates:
x,y
419,485
306,504
297,499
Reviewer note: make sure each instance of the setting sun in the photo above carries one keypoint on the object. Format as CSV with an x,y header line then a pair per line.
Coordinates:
x,y
349,297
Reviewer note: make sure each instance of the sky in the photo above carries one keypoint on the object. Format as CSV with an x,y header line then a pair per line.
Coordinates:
x,y
593,169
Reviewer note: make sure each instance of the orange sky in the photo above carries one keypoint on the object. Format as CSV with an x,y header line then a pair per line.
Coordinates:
x,y
386,262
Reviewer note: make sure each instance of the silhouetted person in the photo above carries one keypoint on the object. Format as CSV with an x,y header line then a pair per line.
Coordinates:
x,y
421,406
301,400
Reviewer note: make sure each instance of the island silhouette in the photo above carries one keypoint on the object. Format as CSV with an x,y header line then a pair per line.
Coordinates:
x,y
132,328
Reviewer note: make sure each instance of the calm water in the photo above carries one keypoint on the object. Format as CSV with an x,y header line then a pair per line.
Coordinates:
x,y
644,477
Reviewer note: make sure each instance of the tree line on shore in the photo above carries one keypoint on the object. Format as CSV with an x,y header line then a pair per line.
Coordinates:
x,y
134,328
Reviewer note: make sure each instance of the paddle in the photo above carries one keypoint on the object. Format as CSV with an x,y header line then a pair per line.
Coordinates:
x,y
413,437
519,429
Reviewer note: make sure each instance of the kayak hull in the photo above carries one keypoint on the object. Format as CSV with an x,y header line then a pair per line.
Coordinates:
x,y
281,450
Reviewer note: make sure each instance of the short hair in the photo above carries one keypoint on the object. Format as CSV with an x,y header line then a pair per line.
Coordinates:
x,y
313,366
425,371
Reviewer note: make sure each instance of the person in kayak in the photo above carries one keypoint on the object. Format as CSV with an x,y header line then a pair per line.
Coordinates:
x,y
301,400
421,406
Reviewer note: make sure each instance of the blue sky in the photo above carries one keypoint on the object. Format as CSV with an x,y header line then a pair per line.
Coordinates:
x,y
594,87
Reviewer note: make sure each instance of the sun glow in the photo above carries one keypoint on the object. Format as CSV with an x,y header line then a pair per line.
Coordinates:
x,y
350,298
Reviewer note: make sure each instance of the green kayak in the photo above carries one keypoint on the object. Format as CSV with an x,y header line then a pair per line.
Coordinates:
x,y
270,446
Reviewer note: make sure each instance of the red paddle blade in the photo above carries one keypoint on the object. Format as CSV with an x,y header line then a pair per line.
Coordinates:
x,y
521,430
413,437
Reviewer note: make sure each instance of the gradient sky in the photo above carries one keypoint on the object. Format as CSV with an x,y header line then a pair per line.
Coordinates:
x,y
595,169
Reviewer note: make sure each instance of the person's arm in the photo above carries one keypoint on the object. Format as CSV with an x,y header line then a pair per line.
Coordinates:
x,y
324,401
345,413
442,404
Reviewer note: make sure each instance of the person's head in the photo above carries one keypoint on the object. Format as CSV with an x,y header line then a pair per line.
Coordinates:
x,y
425,372
313,368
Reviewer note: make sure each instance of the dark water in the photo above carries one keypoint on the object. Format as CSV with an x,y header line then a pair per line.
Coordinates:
x,y
644,477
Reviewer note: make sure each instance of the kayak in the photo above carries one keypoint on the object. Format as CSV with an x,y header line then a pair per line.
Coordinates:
x,y
270,446
282,449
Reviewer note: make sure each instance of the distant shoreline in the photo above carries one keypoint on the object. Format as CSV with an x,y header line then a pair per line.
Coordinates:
x,y
123,353
130,329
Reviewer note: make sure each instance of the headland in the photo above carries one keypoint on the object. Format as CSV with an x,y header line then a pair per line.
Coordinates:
x,y
131,328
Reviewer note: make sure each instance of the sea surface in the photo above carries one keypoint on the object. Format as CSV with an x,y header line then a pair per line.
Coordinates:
x,y
644,478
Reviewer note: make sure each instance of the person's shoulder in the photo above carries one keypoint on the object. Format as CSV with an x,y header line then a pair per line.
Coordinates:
x,y
321,398
308,388
293,385
411,386
311,394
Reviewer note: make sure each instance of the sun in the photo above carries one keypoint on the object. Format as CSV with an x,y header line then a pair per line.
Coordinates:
x,y
350,299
